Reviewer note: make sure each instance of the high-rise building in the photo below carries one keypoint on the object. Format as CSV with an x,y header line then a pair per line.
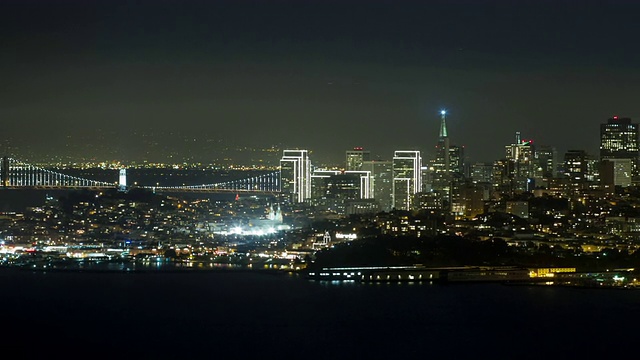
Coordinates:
x,y
381,182
441,164
407,178
348,186
426,179
473,199
619,140
447,166
4,171
342,192
593,169
545,164
343,184
456,159
546,159
355,158
575,169
457,195
319,183
616,172
295,174
501,177
481,172
521,154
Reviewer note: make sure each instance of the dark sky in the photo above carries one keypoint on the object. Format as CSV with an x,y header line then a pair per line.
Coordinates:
x,y
323,75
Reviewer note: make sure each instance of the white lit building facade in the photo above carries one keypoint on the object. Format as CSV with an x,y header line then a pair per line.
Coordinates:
x,y
407,178
295,174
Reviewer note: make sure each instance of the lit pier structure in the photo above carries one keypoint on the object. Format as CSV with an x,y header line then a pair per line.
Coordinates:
x,y
422,273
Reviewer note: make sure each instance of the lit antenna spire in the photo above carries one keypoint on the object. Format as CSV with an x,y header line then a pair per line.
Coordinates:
x,y
443,123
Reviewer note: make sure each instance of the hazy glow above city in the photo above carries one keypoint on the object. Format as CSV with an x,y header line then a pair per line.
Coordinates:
x,y
165,81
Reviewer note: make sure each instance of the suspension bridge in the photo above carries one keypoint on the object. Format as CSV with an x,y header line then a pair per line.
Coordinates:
x,y
16,174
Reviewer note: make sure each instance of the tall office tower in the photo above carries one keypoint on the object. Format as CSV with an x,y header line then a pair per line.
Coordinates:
x,y
521,153
329,182
357,184
426,179
441,165
473,199
575,169
319,183
619,140
456,159
407,179
545,163
342,192
481,172
355,158
381,183
501,179
428,201
456,198
615,172
593,169
295,174
4,171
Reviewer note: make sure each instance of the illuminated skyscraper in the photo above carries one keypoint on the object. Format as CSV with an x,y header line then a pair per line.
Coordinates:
x,y
381,182
342,192
575,169
355,158
295,174
520,154
447,165
407,178
456,159
346,184
619,140
616,172
481,172
4,171
441,164
545,165
546,161
501,178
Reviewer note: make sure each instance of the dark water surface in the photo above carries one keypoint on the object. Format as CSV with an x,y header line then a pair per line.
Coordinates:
x,y
244,314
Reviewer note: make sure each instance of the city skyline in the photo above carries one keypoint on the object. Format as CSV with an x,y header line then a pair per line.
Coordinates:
x,y
319,178
324,76
175,148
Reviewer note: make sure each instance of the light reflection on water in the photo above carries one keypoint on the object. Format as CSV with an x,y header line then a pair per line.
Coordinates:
x,y
130,266
346,283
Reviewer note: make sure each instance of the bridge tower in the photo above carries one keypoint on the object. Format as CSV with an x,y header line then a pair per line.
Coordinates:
x,y
122,180
5,171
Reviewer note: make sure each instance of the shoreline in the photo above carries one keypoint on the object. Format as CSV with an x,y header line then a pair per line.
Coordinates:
x,y
144,269
101,268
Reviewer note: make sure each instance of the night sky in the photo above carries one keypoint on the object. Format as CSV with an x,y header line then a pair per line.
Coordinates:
x,y
321,75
